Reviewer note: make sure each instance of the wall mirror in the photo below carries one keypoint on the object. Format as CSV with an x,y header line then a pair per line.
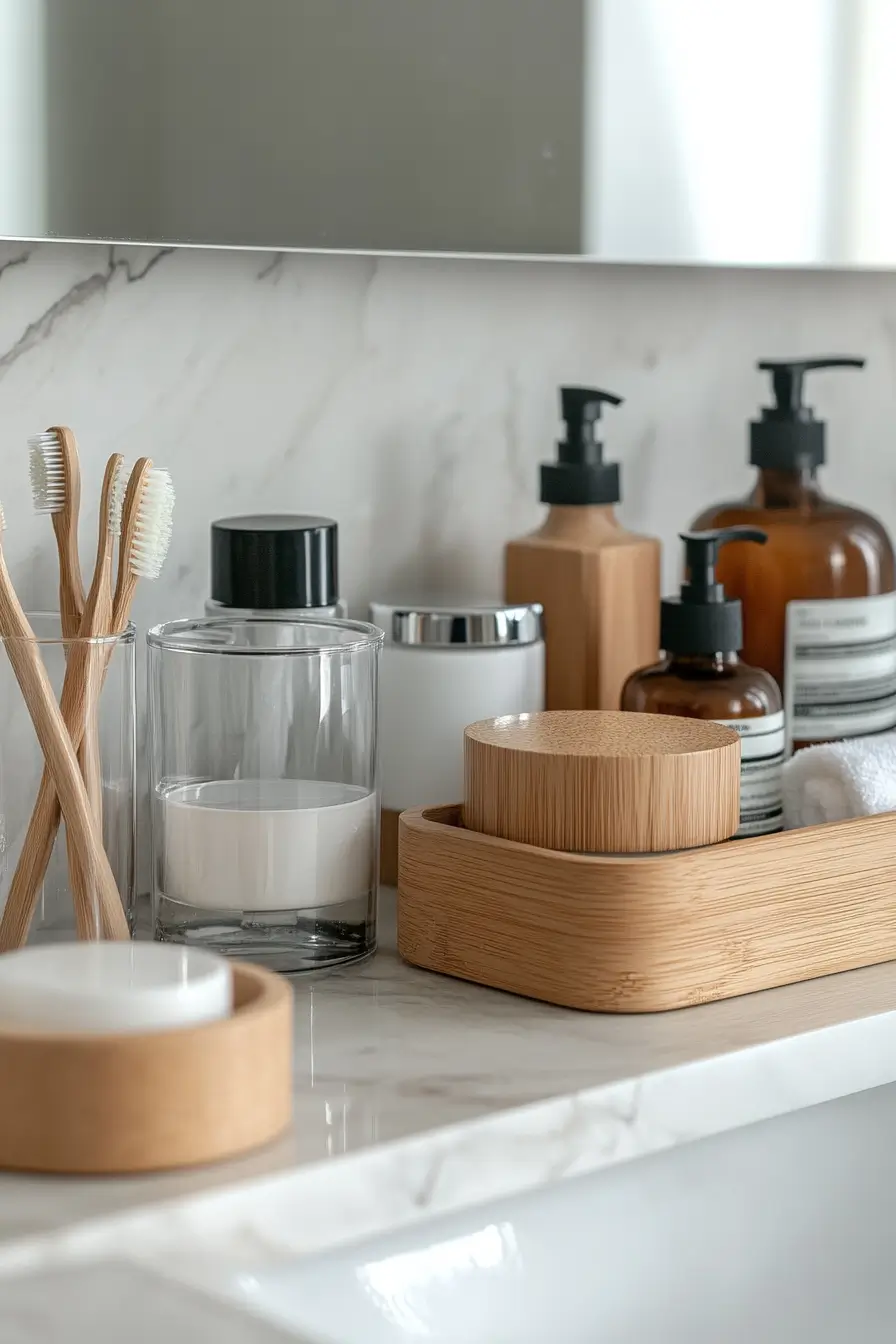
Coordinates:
x,y
745,132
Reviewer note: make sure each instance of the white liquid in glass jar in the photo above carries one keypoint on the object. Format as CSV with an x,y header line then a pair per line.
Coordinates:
x,y
268,844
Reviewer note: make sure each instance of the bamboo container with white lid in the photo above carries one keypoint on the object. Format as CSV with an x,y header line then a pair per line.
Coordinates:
x,y
599,781
125,1101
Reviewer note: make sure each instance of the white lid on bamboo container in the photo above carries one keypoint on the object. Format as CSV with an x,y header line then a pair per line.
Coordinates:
x,y
72,988
602,781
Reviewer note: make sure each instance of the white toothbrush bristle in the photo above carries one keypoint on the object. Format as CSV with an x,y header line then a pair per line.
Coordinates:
x,y
116,498
47,471
2,519
152,532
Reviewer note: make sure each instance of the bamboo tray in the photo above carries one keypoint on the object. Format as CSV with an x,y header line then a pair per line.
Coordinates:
x,y
642,934
146,1102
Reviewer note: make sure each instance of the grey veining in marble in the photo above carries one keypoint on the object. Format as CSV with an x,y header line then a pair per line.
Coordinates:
x,y
413,399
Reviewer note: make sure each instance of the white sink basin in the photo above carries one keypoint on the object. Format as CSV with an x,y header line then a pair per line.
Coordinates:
x,y
782,1233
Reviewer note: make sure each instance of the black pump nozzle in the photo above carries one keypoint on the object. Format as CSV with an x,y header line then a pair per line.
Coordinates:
x,y
580,475
787,382
702,619
581,409
788,436
701,555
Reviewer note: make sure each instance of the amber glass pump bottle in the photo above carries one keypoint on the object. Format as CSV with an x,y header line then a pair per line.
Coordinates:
x,y
819,606
701,676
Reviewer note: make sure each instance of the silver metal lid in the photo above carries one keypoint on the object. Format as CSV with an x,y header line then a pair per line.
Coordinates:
x,y
479,624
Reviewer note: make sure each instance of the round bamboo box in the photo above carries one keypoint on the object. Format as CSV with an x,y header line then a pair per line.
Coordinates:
x,y
602,782
99,1104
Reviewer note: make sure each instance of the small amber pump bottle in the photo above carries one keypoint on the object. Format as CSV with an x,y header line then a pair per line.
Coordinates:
x,y
702,677
599,585
819,602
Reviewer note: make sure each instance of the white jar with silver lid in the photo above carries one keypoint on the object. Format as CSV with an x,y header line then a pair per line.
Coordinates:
x,y
442,668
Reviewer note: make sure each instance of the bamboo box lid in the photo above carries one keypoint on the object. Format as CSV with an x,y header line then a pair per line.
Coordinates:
x,y
602,781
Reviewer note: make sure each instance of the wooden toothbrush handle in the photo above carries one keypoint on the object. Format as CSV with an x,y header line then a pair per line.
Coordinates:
x,y
90,761
88,753
91,769
85,899
71,589
42,828
87,902
44,824
62,763
95,622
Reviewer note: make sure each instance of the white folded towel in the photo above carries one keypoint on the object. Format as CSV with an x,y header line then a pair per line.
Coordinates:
x,y
840,780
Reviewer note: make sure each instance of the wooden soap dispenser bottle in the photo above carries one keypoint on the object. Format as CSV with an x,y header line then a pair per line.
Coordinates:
x,y
599,585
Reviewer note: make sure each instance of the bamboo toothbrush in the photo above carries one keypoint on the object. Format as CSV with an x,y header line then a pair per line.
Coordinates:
x,y
96,621
52,734
146,518
56,489
55,471
84,673
145,534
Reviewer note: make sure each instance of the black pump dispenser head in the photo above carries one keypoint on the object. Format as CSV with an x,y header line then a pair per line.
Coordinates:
x,y
788,436
580,475
702,619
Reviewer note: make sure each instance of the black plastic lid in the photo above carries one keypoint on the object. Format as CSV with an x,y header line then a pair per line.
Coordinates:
x,y
580,475
788,435
275,562
702,619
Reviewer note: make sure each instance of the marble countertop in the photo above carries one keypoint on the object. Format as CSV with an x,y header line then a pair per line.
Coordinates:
x,y
416,1093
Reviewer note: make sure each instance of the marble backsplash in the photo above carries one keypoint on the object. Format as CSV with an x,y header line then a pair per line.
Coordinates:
x,y
412,399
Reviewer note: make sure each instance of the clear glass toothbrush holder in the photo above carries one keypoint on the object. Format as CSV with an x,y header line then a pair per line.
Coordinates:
x,y
113,717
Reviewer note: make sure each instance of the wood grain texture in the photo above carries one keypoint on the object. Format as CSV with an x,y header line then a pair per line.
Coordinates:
x,y
49,725
84,669
126,577
80,690
602,782
600,589
71,610
389,846
65,527
647,934
146,1102
82,686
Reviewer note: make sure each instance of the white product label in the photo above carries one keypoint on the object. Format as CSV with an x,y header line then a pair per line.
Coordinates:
x,y
840,667
762,747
